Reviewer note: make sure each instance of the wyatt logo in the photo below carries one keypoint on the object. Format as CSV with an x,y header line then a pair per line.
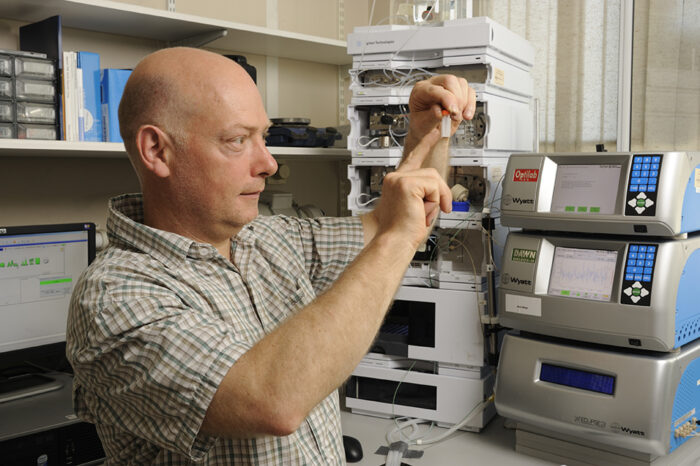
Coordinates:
x,y
519,281
521,201
526,174
524,255
626,430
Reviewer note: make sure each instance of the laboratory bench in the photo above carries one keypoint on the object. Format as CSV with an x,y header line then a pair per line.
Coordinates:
x,y
494,445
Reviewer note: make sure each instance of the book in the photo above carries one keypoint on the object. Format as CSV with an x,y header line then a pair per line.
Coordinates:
x,y
72,91
112,82
89,64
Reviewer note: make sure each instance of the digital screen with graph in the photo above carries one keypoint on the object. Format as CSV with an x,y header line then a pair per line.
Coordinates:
x,y
38,270
583,273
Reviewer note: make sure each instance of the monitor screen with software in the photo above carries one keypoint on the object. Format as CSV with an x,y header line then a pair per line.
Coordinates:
x,y
39,266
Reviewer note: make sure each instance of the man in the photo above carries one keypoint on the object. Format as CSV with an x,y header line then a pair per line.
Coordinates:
x,y
205,334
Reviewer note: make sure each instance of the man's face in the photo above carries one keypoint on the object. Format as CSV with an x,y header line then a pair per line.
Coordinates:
x,y
224,163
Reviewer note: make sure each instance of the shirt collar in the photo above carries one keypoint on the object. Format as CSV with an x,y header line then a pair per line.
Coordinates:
x,y
125,227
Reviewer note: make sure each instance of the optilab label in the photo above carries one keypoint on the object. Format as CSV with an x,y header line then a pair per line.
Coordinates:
x,y
526,174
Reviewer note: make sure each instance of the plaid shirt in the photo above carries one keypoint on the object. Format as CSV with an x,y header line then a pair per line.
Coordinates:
x,y
157,321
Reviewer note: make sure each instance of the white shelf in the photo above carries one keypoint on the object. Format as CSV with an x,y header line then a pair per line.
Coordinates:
x,y
137,21
37,148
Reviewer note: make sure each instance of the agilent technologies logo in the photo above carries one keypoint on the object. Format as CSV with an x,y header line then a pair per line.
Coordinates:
x,y
526,174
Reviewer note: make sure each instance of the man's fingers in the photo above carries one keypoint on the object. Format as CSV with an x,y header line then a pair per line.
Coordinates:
x,y
470,110
414,160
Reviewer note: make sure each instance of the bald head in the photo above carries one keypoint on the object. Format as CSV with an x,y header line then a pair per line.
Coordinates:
x,y
170,87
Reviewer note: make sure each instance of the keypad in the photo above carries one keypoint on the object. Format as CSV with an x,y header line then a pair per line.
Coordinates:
x,y
643,185
638,274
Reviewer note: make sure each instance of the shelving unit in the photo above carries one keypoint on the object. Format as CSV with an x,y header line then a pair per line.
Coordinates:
x,y
112,150
176,28
52,201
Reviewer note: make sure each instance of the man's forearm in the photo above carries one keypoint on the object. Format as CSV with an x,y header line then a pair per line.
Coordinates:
x,y
273,386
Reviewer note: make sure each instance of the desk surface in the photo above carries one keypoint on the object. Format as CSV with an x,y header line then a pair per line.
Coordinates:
x,y
494,445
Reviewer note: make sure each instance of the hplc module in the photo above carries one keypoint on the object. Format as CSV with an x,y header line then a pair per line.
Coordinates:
x,y
630,400
621,291
649,193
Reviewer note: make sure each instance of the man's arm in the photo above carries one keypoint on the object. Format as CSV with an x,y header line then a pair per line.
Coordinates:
x,y
272,388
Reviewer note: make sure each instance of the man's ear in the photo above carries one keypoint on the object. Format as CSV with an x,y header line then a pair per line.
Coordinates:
x,y
155,149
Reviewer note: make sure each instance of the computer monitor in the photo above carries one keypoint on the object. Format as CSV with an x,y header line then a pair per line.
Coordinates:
x,y
39,265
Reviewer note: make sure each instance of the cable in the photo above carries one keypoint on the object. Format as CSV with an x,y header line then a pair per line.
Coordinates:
x,y
365,204
476,410
359,141
417,438
496,190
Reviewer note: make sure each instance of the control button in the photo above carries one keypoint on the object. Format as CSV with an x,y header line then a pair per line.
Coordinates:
x,y
651,181
634,248
636,173
632,263
629,277
650,256
637,166
646,166
646,278
641,255
654,166
654,172
648,203
637,181
656,159
644,292
641,196
638,159
648,263
635,299
634,188
638,277
647,159
639,209
651,248
651,188
632,255
632,202
644,173
642,248
628,291
636,285
647,270
636,291
642,188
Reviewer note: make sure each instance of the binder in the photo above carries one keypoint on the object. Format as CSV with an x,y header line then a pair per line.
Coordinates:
x,y
89,63
112,84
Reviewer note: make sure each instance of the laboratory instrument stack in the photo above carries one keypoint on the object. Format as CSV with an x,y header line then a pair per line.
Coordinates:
x,y
601,287
431,357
